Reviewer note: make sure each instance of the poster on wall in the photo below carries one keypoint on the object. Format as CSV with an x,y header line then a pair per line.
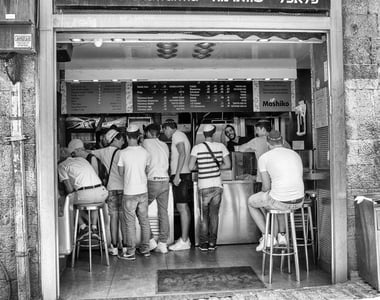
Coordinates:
x,y
95,98
275,96
321,108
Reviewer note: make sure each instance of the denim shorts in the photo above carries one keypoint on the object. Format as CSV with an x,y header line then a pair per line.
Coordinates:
x,y
264,200
183,193
114,201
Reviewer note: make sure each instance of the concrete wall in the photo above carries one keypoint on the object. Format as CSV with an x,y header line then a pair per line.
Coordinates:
x,y
7,192
361,25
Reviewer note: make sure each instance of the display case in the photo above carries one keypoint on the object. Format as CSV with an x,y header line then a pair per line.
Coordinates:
x,y
243,164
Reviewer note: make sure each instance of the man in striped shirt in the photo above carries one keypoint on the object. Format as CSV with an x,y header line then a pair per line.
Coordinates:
x,y
210,157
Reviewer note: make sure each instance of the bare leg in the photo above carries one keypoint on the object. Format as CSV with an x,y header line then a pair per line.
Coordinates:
x,y
184,212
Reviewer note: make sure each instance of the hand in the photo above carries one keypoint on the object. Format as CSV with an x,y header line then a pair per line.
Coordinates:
x,y
176,180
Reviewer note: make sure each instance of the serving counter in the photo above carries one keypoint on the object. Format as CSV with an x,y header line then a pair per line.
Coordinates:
x,y
235,223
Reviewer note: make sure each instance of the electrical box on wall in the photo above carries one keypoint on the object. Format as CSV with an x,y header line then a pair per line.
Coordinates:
x,y
18,26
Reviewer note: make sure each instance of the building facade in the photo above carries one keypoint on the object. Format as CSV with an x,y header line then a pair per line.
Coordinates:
x,y
28,244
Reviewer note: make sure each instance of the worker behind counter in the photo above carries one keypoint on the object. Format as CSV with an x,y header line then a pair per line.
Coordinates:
x,y
233,139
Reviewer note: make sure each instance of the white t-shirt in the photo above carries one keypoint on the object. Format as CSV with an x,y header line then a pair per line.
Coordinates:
x,y
177,138
115,181
286,173
135,160
159,153
208,171
79,171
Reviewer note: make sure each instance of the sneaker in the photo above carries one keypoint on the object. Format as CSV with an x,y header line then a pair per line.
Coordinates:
x,y
161,248
145,253
180,245
281,239
152,244
260,247
203,247
83,234
112,250
211,247
124,250
127,256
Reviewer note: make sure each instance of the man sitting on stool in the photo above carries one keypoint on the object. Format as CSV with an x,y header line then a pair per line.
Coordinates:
x,y
282,186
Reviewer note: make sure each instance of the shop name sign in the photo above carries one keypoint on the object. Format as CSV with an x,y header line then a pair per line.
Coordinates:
x,y
275,96
276,5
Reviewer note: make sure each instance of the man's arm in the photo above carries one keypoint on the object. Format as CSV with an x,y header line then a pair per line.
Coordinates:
x,y
265,178
68,186
192,162
226,163
121,170
181,162
248,146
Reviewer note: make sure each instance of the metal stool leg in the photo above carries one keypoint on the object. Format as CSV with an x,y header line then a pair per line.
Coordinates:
x,y
265,242
89,240
271,248
305,240
294,238
75,237
287,245
103,229
311,231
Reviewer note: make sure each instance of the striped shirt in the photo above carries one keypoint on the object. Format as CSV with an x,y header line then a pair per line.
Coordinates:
x,y
208,170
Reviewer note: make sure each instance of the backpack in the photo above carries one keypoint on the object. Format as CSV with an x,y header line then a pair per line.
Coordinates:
x,y
102,169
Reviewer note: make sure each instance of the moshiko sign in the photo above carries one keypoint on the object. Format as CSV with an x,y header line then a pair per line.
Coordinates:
x,y
210,5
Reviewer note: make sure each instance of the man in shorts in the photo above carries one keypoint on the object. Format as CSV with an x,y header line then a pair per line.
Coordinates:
x,y
210,157
81,182
114,141
181,180
158,184
133,163
282,186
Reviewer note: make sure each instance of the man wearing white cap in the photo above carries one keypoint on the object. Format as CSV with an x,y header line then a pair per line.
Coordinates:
x,y
109,156
134,161
181,179
281,171
210,157
158,184
80,180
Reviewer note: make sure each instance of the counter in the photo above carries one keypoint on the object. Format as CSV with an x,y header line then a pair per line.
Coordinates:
x,y
235,223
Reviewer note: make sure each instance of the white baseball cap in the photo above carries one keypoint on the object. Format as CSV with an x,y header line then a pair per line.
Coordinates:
x,y
208,128
75,144
133,128
110,135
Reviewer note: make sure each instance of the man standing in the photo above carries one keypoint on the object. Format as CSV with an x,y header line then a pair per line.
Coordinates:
x,y
81,182
109,156
158,184
181,179
282,186
211,157
133,163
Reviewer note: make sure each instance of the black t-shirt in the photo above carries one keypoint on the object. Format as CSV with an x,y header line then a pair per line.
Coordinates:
x,y
241,141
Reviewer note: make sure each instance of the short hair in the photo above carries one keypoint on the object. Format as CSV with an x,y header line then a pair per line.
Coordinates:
x,y
133,135
264,124
169,123
274,138
153,128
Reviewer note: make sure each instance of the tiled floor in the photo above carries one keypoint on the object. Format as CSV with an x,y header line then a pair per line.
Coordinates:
x,y
138,278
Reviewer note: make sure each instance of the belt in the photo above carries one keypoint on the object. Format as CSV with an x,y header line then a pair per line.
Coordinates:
x,y
89,187
293,201
159,179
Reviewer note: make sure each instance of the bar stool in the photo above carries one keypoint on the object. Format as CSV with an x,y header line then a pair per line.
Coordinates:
x,y
288,250
102,232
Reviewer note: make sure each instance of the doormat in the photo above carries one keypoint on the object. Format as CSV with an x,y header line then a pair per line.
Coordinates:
x,y
207,279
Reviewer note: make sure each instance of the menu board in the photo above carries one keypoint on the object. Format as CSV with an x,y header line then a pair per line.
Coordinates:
x,y
96,97
192,96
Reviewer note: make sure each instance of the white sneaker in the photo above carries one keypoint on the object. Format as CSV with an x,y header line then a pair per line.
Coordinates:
x,y
180,245
152,244
260,247
281,239
112,250
161,248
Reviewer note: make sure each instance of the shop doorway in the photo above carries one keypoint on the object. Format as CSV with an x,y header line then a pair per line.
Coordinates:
x,y
300,58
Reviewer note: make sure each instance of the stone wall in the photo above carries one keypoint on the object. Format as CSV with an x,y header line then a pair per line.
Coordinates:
x,y
7,193
361,32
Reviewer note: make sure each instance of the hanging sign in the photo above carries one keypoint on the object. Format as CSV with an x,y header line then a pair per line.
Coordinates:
x,y
275,96
275,5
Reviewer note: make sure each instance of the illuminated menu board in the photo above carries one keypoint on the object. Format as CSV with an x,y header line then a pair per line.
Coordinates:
x,y
196,96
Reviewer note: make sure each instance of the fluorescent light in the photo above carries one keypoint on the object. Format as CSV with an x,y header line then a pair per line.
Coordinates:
x,y
98,42
77,40
115,80
267,79
285,79
75,80
95,80
117,40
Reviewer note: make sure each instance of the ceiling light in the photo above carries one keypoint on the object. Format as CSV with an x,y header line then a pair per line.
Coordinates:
x,y
117,40
77,40
285,79
75,80
115,80
267,79
98,42
95,80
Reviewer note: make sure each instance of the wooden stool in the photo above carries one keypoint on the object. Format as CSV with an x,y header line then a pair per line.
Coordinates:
x,y
102,232
287,250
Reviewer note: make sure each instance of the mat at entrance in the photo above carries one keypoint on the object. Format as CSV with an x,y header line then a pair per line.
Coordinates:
x,y
207,279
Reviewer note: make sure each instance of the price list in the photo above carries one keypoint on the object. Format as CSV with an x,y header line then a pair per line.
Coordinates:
x,y
197,96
